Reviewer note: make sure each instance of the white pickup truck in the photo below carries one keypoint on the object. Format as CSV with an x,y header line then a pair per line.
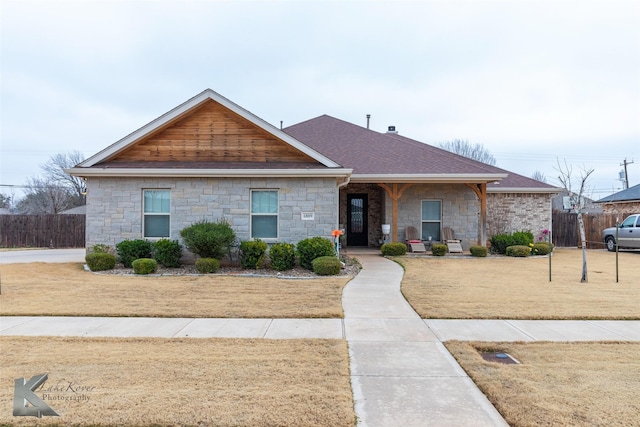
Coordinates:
x,y
628,234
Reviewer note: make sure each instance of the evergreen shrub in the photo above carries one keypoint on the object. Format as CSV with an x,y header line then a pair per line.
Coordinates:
x,y
100,261
145,266
282,256
327,266
131,250
207,265
312,248
393,249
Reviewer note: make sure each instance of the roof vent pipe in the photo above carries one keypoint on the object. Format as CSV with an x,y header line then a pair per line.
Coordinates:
x,y
392,129
368,117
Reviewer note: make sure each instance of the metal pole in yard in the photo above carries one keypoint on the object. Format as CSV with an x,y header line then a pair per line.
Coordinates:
x,y
617,250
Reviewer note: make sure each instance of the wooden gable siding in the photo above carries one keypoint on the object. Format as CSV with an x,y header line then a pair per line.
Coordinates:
x,y
212,133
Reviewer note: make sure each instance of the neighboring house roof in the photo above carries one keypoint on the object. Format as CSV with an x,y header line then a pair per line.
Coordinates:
x,y
557,203
389,157
631,194
78,210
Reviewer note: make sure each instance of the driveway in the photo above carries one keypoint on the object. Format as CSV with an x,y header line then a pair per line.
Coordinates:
x,y
42,255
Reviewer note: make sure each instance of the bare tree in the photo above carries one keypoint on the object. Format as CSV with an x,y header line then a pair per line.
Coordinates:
x,y
54,171
577,205
539,176
44,197
464,148
5,201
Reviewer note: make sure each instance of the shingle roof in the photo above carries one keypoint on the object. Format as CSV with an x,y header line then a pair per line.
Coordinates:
x,y
369,152
628,195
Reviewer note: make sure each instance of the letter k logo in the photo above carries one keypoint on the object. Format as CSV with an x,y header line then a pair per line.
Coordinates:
x,y
24,392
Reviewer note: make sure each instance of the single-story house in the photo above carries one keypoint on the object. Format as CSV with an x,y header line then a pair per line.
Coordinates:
x,y
624,202
209,159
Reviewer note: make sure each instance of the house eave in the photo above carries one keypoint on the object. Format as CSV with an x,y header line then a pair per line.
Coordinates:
x,y
208,173
427,178
524,190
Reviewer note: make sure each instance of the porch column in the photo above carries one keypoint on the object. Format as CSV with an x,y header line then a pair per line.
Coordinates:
x,y
481,192
394,193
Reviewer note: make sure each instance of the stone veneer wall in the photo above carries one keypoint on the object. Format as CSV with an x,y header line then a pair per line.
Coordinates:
x,y
509,212
114,205
460,210
375,209
625,208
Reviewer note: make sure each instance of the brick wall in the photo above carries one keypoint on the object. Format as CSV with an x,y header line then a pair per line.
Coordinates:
x,y
621,208
114,205
509,212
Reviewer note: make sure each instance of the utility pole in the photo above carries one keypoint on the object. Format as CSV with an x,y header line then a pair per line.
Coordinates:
x,y
626,176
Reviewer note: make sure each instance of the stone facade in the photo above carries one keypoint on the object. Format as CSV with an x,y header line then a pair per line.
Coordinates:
x,y
114,205
625,208
460,210
509,212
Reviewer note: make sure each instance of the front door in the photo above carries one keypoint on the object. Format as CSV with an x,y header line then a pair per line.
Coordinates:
x,y
357,220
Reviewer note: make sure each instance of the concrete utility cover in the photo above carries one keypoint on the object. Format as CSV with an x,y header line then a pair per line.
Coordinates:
x,y
499,357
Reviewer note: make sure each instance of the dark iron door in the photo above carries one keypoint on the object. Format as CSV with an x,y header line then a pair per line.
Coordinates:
x,y
357,220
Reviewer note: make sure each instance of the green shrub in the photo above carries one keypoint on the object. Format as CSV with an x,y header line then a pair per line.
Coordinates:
x,y
131,250
167,252
101,248
518,251
541,248
209,239
393,249
326,265
252,253
145,266
207,265
478,251
100,261
312,248
282,256
438,249
500,242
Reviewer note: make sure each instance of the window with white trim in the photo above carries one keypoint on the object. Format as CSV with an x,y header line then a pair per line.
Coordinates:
x,y
431,219
156,218
264,214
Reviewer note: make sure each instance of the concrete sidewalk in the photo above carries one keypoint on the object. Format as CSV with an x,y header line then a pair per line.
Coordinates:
x,y
401,373
42,255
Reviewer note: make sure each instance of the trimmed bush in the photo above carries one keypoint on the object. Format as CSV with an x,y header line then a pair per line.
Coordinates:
x,y
478,251
282,256
101,248
394,249
541,248
100,261
209,239
167,252
518,251
327,266
439,249
252,253
207,265
500,242
145,266
312,248
131,250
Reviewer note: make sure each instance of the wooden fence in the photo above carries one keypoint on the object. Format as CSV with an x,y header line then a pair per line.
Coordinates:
x,y
566,232
42,231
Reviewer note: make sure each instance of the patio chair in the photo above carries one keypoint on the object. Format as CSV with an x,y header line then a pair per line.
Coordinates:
x,y
412,240
449,238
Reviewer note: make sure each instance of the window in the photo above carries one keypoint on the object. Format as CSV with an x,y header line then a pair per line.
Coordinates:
x,y
431,219
264,214
156,213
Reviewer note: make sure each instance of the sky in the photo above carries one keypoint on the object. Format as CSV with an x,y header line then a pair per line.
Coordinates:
x,y
534,82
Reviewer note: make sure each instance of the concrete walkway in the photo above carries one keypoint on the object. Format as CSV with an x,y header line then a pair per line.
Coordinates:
x,y
401,373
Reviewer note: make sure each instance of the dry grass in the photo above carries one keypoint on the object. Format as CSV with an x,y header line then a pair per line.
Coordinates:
x,y
559,384
41,289
519,288
203,382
